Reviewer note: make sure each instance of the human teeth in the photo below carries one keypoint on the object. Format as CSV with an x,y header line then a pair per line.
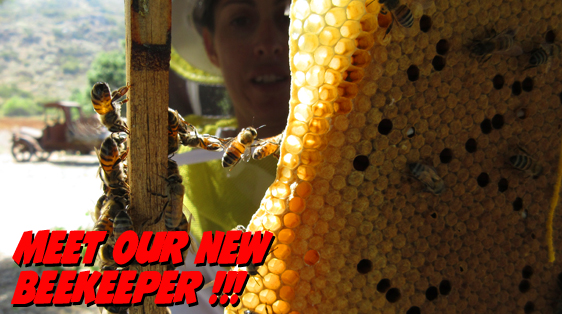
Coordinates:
x,y
267,79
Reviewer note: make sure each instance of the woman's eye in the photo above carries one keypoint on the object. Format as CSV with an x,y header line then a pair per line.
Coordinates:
x,y
240,21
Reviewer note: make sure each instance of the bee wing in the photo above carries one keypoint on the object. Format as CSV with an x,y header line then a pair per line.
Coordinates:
x,y
224,141
208,285
247,153
193,247
548,65
260,142
426,4
514,51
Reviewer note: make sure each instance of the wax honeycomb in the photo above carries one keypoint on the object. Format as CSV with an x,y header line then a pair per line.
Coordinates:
x,y
355,232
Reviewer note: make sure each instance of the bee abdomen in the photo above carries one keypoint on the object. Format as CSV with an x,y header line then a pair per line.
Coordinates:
x,y
404,16
520,162
232,155
122,223
505,43
172,218
104,224
538,57
99,205
101,98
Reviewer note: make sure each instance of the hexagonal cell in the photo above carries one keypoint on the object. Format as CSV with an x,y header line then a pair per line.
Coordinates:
x,y
425,23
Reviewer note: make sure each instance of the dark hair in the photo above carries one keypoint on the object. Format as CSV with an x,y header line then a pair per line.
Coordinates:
x,y
203,14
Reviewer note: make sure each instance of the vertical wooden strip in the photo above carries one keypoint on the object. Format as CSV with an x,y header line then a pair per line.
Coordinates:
x,y
148,35
553,205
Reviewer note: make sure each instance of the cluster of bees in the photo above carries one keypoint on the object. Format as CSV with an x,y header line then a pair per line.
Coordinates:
x,y
112,210
434,183
504,43
235,148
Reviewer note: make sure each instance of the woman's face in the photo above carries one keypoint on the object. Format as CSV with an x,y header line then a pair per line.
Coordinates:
x,y
250,46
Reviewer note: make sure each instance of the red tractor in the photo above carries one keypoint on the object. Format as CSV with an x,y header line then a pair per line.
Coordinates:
x,y
66,129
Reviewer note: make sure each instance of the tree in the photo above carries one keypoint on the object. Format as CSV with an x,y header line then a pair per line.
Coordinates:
x,y
108,67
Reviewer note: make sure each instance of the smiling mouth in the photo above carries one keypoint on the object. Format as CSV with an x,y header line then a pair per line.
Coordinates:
x,y
268,79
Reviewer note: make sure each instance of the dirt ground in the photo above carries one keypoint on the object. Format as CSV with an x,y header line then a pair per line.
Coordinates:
x,y
59,193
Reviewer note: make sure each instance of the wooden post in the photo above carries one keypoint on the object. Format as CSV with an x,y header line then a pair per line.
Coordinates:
x,y
148,34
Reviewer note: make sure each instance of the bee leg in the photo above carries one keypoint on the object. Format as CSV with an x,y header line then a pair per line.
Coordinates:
x,y
157,194
124,155
370,3
388,29
523,150
157,220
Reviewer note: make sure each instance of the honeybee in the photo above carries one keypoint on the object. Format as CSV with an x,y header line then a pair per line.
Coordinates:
x,y
111,163
173,143
252,268
403,15
543,55
109,153
176,125
104,224
121,223
538,57
108,107
205,141
116,309
106,254
99,204
239,148
113,205
428,176
268,146
239,228
399,13
526,164
503,43
174,193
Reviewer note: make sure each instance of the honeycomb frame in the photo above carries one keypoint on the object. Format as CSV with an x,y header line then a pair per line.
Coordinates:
x,y
355,233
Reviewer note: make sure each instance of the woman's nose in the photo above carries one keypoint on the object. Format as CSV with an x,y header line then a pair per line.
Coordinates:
x,y
269,40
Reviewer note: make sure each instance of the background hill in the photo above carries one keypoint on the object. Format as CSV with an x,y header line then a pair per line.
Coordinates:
x,y
48,47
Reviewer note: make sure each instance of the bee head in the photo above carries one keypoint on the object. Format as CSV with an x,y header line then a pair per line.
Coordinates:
x,y
513,159
239,228
253,131
101,89
248,135
172,117
412,166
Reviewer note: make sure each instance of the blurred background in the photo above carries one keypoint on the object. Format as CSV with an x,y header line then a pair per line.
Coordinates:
x,y
52,52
